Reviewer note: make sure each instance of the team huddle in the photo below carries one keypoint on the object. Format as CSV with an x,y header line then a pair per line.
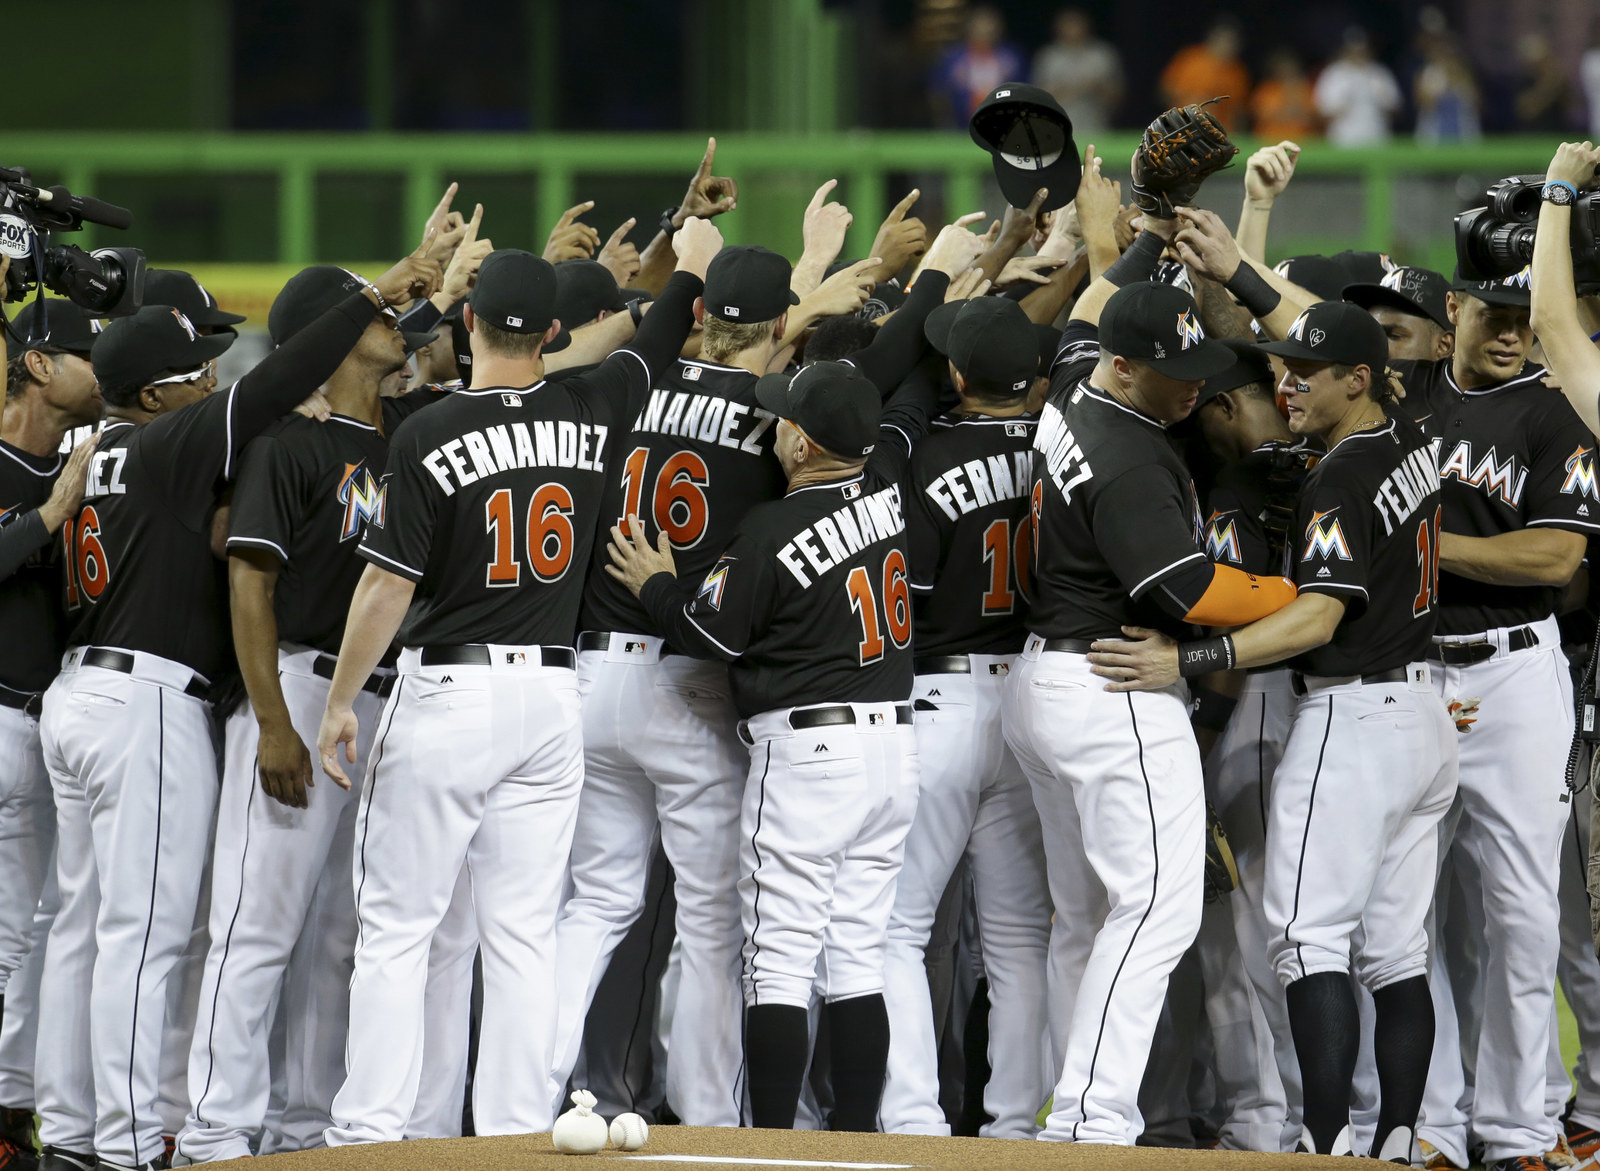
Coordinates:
x,y
1220,622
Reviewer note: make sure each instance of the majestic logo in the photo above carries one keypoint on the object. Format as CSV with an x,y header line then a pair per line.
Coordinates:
x,y
1503,479
1324,537
188,326
363,497
1580,474
1222,541
716,581
1190,332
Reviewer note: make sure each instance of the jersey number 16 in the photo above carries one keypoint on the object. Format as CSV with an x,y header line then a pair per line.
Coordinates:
x,y
550,537
896,606
87,570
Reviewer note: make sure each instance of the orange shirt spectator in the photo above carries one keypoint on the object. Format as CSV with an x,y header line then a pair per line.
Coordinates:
x,y
1208,70
1284,105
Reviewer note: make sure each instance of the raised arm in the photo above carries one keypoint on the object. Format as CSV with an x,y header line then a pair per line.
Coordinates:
x,y
708,196
1207,247
1266,176
823,230
1556,320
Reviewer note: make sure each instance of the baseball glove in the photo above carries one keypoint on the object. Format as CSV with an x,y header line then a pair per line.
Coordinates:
x,y
1179,151
1222,872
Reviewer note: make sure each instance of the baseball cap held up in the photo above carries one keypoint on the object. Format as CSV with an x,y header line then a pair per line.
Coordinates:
x,y
516,292
1335,331
832,402
133,350
987,338
1159,325
748,283
1030,137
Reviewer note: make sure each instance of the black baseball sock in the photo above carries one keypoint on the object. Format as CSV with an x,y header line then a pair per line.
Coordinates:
x,y
1402,1047
777,1041
1327,1031
858,1039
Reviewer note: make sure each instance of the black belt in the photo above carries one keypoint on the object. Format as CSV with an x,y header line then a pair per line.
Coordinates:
x,y
322,667
1465,654
476,654
1297,681
600,640
1071,646
942,665
97,656
29,703
843,713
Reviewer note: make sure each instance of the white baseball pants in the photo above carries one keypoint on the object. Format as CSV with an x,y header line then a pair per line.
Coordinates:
x,y
27,834
1579,972
19,1032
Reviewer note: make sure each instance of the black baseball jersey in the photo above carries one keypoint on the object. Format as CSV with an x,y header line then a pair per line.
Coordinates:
x,y
1368,533
1251,505
1511,456
1113,510
304,493
811,600
493,496
966,508
140,568
31,612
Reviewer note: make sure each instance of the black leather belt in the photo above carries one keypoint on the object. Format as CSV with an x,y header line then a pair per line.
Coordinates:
x,y
322,667
1465,654
1297,681
821,717
600,640
1071,646
122,661
29,703
942,665
476,654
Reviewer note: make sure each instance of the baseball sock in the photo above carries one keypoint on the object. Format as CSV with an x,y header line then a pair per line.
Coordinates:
x,y
1402,1047
777,1042
1326,1031
858,1040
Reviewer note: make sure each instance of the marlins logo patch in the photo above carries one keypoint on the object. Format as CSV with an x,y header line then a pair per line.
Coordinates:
x,y
188,326
710,591
1298,329
364,500
1580,475
1189,331
1222,541
1324,537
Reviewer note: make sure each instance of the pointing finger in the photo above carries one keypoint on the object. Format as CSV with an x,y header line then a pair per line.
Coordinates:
x,y
427,242
900,209
472,226
821,194
971,217
443,206
573,213
706,159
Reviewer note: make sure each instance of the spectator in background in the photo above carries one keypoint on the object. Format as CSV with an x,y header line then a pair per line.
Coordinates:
x,y
1211,69
1283,106
1357,94
1445,91
1082,71
1589,72
1543,91
970,70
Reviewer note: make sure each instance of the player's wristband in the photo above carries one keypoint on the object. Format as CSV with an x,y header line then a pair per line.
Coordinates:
x,y
634,311
666,219
1205,655
1209,709
1559,192
1138,262
1252,289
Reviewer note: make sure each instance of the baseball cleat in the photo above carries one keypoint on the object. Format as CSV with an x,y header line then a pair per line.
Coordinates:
x,y
1583,1141
1517,1163
1561,1155
60,1159
1433,1159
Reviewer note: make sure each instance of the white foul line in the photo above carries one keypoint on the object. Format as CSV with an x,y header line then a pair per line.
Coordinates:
x,y
747,1162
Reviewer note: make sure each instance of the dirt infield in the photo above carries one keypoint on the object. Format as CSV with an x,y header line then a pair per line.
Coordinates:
x,y
687,1146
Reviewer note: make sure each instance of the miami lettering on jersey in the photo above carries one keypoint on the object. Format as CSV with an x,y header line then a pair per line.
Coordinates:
x,y
705,417
850,529
1222,540
1063,457
547,444
1580,479
363,497
1324,537
1405,488
1496,478
980,482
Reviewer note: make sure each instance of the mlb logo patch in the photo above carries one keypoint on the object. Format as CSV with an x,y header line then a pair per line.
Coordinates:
x,y
516,658
1000,669
634,648
514,322
851,491
511,400
730,311
692,373
875,718
1016,431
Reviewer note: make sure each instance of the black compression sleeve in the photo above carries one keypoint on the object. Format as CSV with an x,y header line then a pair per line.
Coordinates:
x,y
291,372
662,597
1138,262
666,327
19,540
1254,293
900,341
421,317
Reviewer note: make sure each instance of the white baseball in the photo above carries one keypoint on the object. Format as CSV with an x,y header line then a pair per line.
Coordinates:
x,y
629,1132
578,1132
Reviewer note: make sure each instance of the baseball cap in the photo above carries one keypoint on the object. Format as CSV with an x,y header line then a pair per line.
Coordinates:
x,y
1364,268
747,283
52,323
1516,289
987,338
1322,275
583,289
1030,137
516,292
133,350
173,286
1048,339
832,402
1334,331
1417,291
460,339
1249,365
311,292
1160,325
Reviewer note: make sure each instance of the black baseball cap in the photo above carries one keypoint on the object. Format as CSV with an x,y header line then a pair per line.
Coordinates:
x,y
1048,339
1030,137
1335,331
1249,365
313,291
1417,291
1516,289
987,338
747,283
1160,325
1322,275
181,290
832,402
133,350
516,292
1363,268
460,339
583,289
51,324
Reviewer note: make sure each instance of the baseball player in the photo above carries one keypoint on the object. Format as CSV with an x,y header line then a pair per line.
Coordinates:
x,y
1519,496
302,497
50,389
966,512
1369,769
126,724
182,291
492,500
811,604
1410,304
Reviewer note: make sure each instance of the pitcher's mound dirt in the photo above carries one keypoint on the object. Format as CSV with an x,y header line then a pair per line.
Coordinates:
x,y
713,1148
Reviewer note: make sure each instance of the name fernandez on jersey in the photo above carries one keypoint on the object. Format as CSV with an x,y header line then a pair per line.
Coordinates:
x,y
705,417
1064,460
978,483
865,521
1406,489
545,443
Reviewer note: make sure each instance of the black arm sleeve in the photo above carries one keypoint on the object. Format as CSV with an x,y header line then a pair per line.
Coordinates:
x,y
900,341
422,317
662,596
666,327
19,540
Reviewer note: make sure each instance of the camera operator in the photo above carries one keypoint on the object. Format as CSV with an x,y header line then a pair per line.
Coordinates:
x,y
1568,348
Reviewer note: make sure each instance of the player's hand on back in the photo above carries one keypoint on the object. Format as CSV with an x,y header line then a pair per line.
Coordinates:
x,y
1574,163
415,277
695,244
1205,245
633,561
1269,170
1146,661
67,494
569,239
339,727
316,407
284,764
